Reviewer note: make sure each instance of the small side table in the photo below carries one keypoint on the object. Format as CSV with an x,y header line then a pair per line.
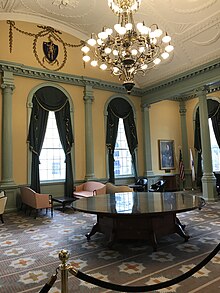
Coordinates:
x,y
63,201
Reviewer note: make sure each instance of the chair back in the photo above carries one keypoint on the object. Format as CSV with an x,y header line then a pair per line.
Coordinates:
x,y
158,186
3,201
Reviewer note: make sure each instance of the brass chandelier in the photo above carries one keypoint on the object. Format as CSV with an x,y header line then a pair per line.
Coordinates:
x,y
131,48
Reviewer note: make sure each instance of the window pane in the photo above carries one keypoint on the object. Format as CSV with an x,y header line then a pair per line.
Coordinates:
x,y
52,157
214,148
122,156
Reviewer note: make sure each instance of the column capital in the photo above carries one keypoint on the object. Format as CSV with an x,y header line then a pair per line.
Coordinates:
x,y
88,93
8,80
145,107
182,108
201,91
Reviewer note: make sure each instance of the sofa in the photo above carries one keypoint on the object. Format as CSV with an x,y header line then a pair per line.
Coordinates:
x,y
89,188
111,188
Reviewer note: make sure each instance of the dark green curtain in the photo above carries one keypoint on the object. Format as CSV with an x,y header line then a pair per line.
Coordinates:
x,y
37,129
214,114
66,138
120,108
50,99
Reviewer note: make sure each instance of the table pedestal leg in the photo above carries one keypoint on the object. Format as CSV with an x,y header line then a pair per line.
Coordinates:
x,y
180,230
95,229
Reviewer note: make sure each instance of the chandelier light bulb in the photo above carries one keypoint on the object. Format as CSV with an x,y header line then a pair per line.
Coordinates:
x,y
157,61
139,26
103,66
122,30
94,63
129,48
108,50
85,49
144,67
103,35
158,32
86,58
99,42
109,31
117,27
145,30
115,70
134,52
141,49
166,39
91,42
128,26
165,55
169,48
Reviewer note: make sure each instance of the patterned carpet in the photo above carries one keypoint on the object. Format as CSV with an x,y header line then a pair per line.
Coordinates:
x,y
29,253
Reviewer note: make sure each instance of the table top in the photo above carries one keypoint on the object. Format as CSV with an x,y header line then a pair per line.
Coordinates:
x,y
136,203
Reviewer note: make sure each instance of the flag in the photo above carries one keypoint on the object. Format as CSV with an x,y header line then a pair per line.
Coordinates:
x,y
192,165
181,167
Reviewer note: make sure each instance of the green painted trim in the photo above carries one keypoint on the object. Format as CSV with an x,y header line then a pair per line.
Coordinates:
x,y
47,75
182,84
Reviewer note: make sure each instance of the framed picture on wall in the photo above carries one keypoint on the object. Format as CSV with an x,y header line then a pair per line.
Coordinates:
x,y
166,154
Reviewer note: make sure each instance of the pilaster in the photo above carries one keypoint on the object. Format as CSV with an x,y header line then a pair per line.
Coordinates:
x,y
88,99
7,87
148,172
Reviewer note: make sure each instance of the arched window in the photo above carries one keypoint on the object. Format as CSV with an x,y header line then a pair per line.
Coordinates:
x,y
44,100
117,109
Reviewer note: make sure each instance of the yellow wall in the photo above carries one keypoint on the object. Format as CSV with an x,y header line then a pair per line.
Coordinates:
x,y
164,116
165,125
22,51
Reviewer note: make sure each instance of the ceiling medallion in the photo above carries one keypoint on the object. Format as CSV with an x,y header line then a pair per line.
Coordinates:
x,y
130,48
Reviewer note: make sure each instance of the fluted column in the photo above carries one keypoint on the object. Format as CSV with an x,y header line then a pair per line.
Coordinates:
x,y
148,172
208,178
6,158
185,149
88,99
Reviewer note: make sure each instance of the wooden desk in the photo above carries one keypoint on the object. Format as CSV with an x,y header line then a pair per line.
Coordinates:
x,y
138,215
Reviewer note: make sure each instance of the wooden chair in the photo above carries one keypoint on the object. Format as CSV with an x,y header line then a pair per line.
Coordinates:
x,y
36,200
3,200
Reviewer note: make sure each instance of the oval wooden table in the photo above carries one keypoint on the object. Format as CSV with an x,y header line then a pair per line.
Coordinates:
x,y
138,215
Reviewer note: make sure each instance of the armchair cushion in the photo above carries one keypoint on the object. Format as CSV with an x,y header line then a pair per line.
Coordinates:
x,y
88,189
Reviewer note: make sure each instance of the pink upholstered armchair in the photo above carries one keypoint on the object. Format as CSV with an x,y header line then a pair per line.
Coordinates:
x,y
36,200
88,189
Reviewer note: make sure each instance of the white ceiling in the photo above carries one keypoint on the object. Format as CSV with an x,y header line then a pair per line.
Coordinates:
x,y
194,26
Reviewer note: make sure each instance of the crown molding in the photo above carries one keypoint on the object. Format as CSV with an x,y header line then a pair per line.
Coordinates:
x,y
182,85
52,76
